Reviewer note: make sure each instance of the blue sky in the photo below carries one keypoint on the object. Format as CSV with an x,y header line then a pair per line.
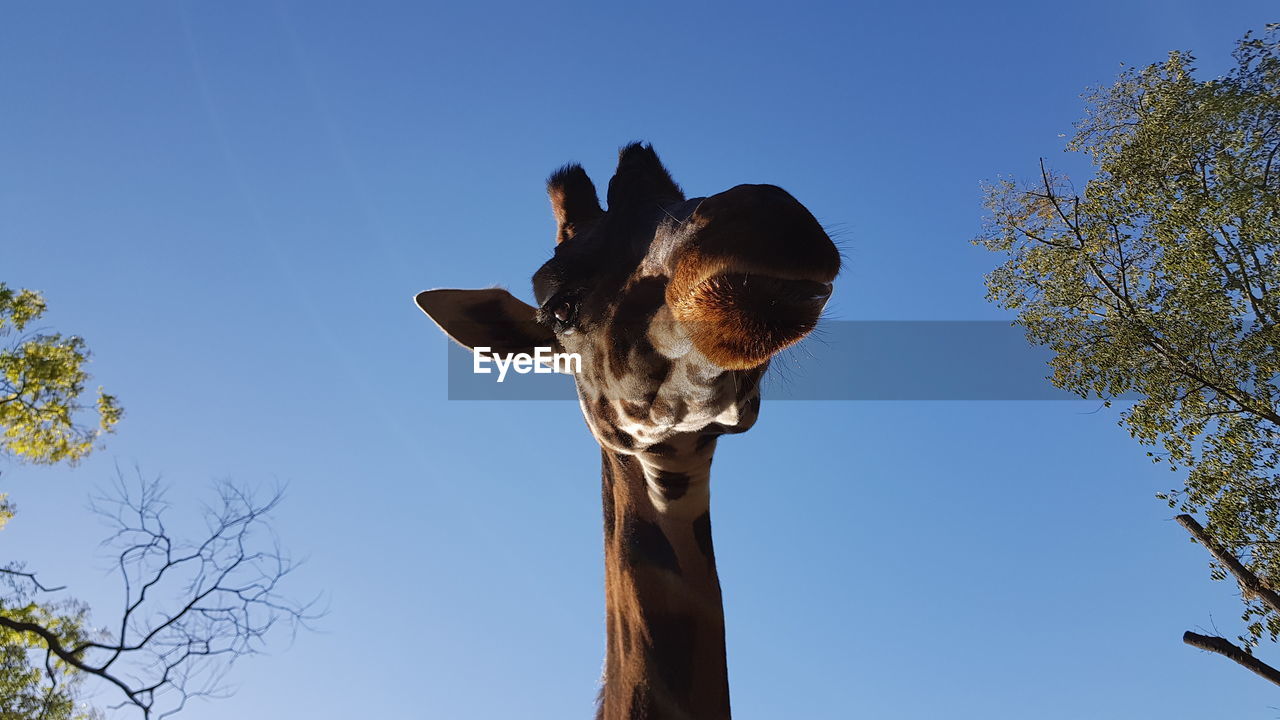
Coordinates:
x,y
235,202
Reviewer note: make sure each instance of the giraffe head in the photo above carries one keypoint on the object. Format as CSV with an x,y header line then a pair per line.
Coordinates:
x,y
675,305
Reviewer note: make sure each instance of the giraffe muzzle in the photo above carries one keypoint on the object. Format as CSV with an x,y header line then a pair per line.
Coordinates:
x,y
740,320
753,276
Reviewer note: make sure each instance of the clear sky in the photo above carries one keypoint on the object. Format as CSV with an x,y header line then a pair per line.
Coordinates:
x,y
235,202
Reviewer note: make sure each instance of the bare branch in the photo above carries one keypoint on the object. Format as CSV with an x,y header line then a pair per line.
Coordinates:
x,y
1233,652
190,609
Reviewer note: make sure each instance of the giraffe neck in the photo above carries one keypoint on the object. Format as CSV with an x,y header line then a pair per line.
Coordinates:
x,y
665,651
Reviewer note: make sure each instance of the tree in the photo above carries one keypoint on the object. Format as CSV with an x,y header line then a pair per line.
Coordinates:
x,y
191,608
42,378
1161,280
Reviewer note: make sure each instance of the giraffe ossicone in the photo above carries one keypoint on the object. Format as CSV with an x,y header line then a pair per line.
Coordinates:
x,y
674,307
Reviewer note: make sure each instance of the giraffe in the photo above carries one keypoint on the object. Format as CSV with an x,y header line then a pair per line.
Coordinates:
x,y
675,307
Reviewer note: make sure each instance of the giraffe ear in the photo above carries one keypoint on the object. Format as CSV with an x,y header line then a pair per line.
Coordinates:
x,y
491,318
573,201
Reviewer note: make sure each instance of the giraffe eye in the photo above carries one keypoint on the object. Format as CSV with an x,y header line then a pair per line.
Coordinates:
x,y
561,312
564,311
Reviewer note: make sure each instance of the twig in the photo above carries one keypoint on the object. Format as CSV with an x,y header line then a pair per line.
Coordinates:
x,y
32,578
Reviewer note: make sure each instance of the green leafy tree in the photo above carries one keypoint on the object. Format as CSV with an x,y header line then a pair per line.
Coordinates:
x,y
42,421
1160,280
42,379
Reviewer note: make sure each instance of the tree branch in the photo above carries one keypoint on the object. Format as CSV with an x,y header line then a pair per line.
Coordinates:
x,y
30,577
1233,652
190,610
1248,581
54,645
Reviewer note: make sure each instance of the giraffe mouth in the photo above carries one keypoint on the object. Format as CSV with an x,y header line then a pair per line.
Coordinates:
x,y
802,291
739,320
823,293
